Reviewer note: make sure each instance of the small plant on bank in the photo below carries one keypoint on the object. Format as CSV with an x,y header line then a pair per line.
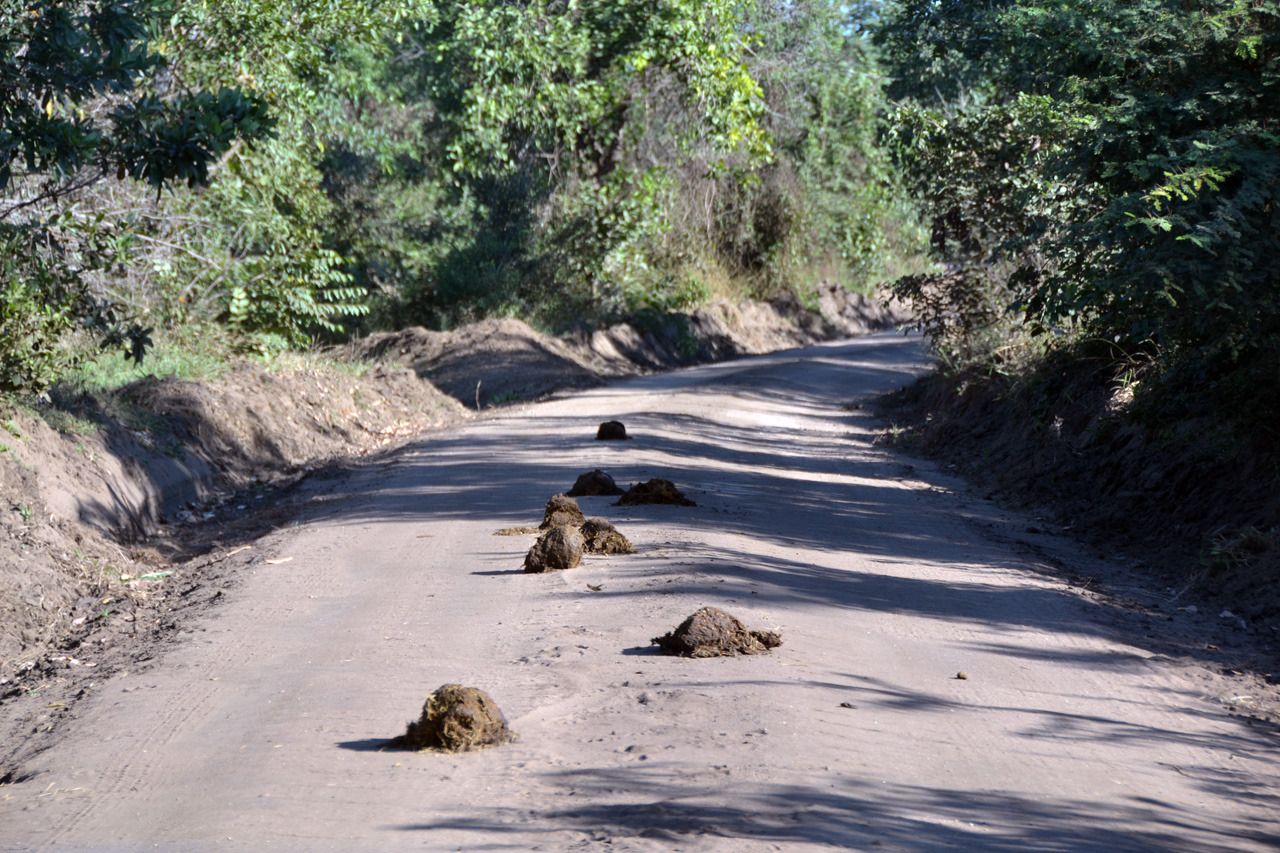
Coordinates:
x,y
1240,547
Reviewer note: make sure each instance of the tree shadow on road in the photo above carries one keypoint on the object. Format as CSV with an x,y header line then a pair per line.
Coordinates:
x,y
846,813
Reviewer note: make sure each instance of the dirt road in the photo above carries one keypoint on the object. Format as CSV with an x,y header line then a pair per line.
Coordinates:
x,y
260,731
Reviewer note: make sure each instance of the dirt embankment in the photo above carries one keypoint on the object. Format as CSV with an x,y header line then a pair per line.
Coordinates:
x,y
92,517
1197,508
98,511
499,361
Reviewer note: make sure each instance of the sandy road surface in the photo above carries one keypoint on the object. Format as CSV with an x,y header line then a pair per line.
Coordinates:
x,y
260,731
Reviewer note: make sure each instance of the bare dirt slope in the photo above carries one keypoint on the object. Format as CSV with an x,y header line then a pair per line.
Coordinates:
x,y
100,511
1078,724
1196,501
500,361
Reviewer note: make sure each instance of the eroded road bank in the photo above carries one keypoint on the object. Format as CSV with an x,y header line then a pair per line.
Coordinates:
x,y
262,729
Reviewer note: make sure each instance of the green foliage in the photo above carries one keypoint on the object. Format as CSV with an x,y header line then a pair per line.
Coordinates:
x,y
557,81
31,323
262,261
822,201
445,161
539,117
46,296
1183,103
287,297
56,58
71,118
978,176
944,53
670,295
549,160
193,351
1148,216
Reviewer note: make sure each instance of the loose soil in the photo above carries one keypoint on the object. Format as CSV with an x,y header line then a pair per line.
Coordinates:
x,y
93,531
1085,722
502,361
97,520
712,633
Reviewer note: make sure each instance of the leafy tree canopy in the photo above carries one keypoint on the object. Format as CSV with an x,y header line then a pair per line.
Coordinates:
x,y
72,115
1147,215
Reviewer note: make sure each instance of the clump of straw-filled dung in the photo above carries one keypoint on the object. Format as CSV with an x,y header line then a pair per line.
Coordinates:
x,y
601,537
456,719
655,491
711,632
561,510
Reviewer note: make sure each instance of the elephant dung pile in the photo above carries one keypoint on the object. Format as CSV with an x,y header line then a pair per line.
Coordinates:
x,y
456,719
594,483
567,535
656,491
612,431
559,548
711,632
601,537
561,510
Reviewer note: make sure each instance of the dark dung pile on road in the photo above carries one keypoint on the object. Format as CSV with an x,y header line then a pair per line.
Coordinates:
x,y
594,483
612,431
656,491
456,719
559,548
711,632
562,509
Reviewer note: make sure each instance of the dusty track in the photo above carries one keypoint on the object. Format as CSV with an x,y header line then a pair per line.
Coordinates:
x,y
261,730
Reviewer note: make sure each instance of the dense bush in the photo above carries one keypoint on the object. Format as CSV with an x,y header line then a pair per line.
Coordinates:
x,y
1147,215
576,161
73,117
276,169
